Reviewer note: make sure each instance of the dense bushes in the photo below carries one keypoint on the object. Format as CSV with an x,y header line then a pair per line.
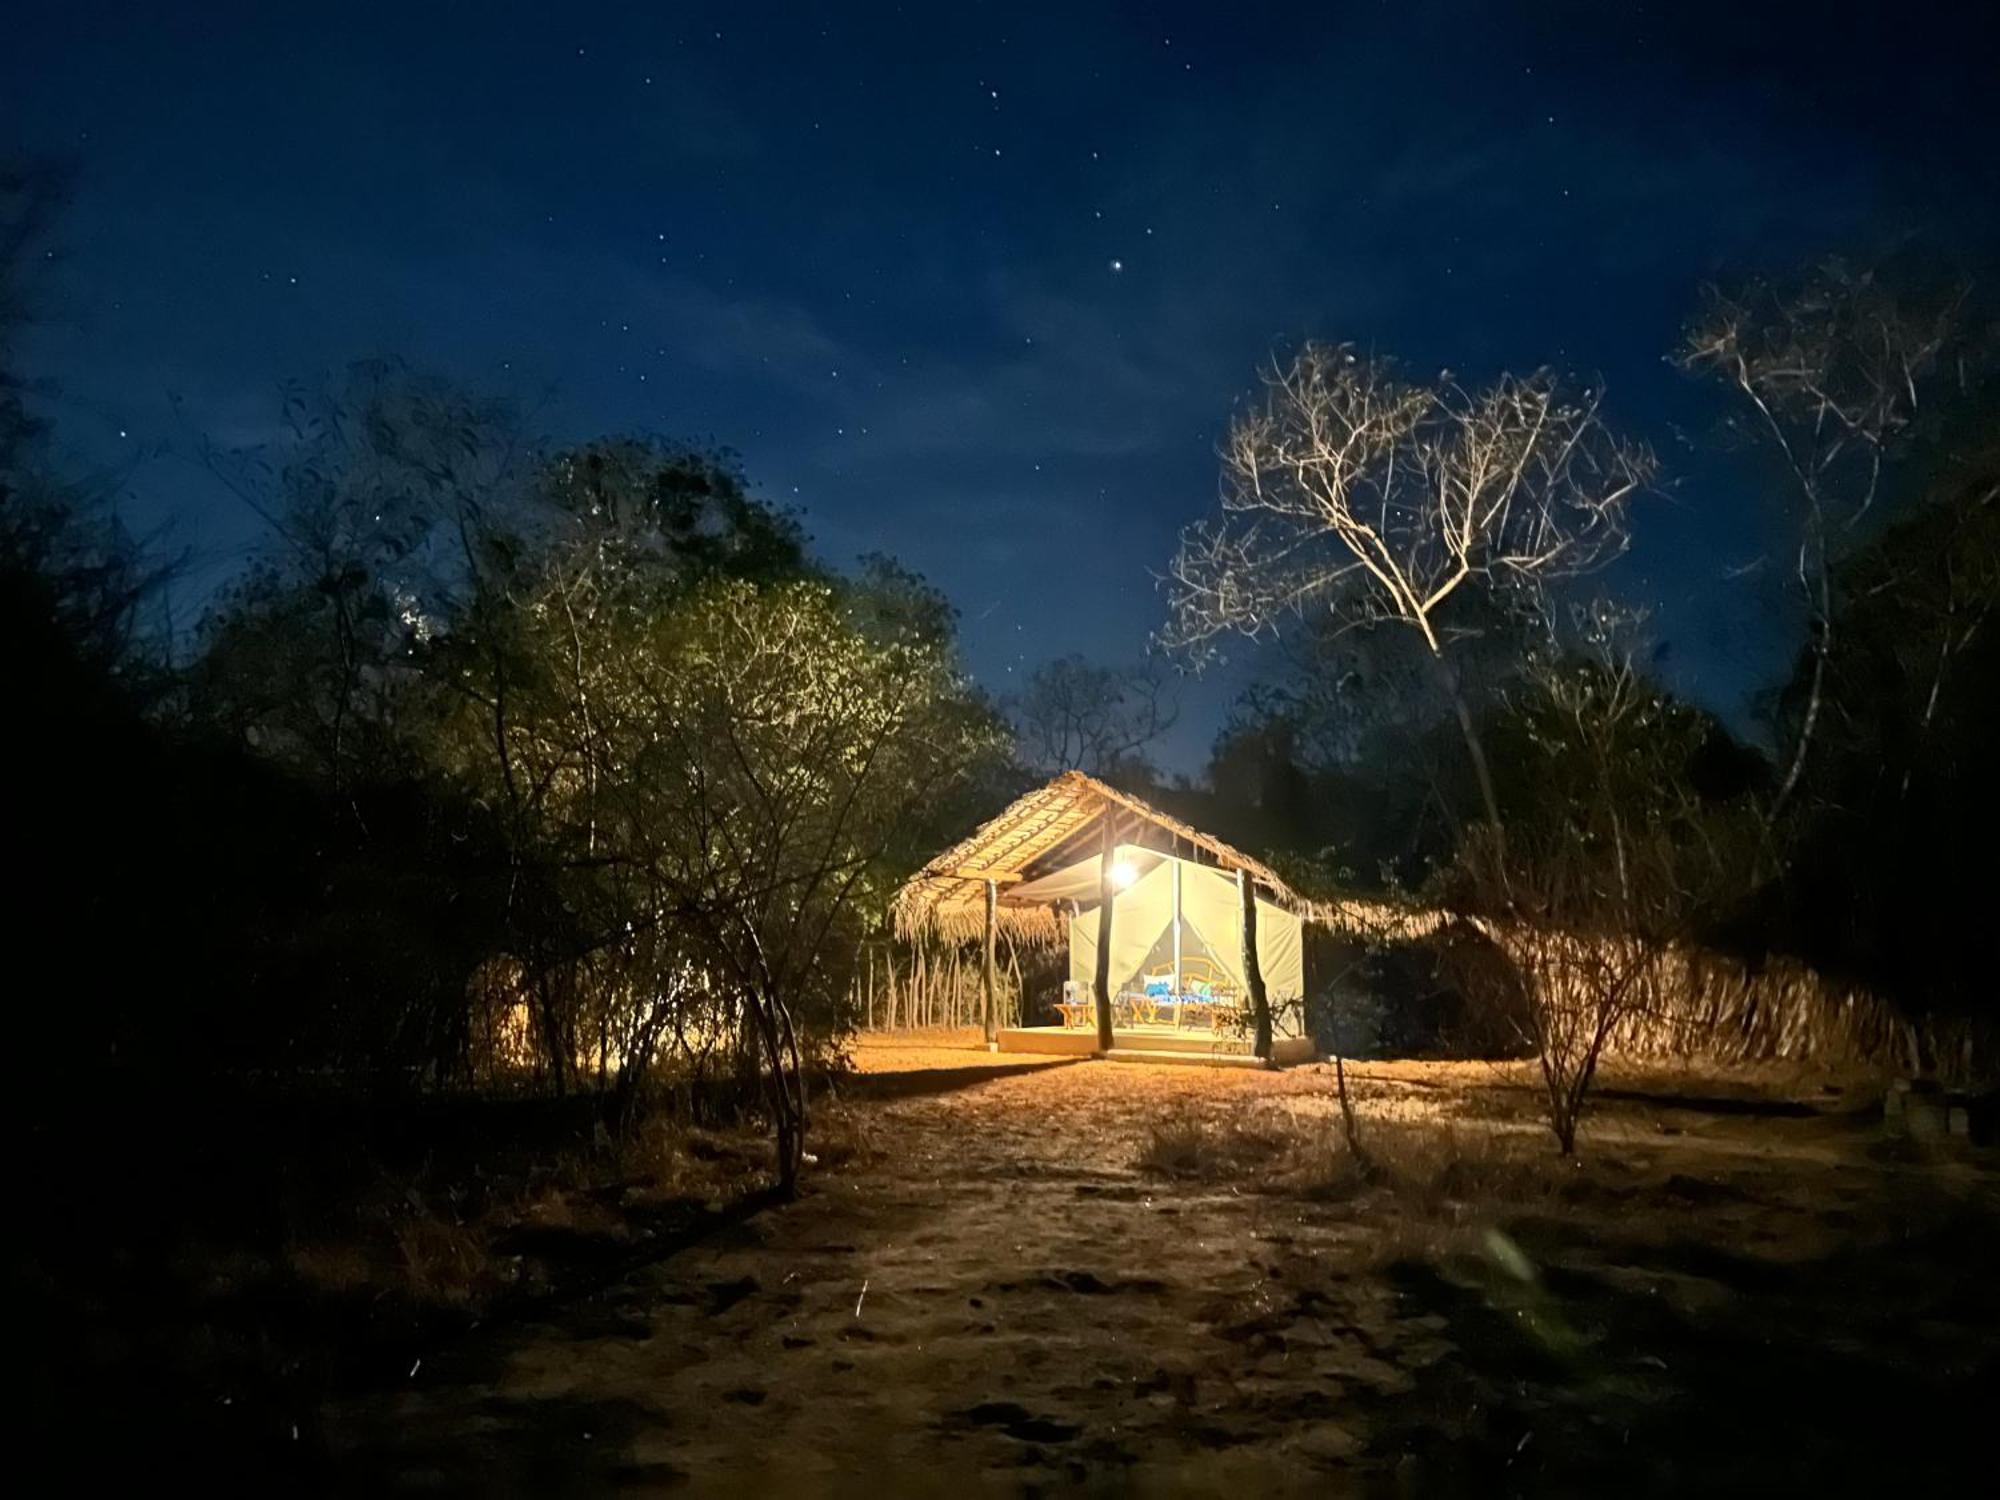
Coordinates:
x,y
539,771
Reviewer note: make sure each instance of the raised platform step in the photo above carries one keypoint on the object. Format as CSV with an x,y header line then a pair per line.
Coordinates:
x,y
1150,1045
1185,1059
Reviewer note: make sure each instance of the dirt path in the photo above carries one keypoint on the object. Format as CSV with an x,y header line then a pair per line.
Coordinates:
x,y
997,1298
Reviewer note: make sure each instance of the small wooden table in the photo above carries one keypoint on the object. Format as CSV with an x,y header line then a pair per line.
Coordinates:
x,y
1143,1009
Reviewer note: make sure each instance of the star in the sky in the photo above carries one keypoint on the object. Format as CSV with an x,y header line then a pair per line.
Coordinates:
x,y
1117,266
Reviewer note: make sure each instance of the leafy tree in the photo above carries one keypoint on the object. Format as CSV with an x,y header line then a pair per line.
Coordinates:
x,y
652,510
373,499
606,541
774,751
889,602
1348,752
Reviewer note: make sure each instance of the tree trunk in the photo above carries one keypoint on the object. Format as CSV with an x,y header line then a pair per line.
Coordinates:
x,y
1475,748
1348,1124
1814,693
785,1089
555,1038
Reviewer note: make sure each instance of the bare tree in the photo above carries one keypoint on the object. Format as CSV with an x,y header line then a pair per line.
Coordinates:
x,y
1381,501
1075,716
1831,370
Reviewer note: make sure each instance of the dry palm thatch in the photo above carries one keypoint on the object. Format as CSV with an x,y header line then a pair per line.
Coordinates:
x,y
1060,824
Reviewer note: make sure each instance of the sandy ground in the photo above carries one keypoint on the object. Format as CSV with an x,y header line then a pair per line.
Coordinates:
x,y
1744,1288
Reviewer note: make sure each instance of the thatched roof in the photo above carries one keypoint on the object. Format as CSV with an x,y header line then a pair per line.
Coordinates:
x,y
1052,827
1061,823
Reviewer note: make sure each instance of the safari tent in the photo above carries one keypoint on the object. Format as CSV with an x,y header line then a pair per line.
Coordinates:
x,y
1179,946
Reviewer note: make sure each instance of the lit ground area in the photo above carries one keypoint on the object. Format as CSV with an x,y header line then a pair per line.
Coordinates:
x,y
1039,1275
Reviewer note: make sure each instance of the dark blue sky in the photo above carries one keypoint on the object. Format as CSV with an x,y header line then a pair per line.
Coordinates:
x,y
973,284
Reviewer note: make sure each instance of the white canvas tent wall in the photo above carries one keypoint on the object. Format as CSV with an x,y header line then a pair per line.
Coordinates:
x,y
1168,892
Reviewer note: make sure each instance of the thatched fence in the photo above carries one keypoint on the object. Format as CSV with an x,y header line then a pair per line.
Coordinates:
x,y
903,984
1714,1008
1705,1006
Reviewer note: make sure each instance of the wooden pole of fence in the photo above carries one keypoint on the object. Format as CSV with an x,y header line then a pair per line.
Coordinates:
x,y
986,968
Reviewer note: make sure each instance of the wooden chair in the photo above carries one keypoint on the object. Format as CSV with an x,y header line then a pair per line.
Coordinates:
x,y
1231,1014
1074,1008
1191,1005
1144,1005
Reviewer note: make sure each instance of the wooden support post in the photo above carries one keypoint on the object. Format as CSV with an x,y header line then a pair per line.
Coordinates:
x,y
986,971
1253,973
1107,892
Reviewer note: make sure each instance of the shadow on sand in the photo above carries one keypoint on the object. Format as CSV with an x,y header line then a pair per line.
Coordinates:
x,y
915,1083
1867,1368
1714,1104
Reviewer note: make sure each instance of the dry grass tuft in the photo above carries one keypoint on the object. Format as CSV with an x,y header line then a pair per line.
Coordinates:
x,y
841,1136
443,1263
336,1268
664,1161
1447,1165
1438,1168
1189,1145
1182,1147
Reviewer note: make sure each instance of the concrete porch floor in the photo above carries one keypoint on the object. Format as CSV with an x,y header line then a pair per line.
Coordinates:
x,y
1157,1044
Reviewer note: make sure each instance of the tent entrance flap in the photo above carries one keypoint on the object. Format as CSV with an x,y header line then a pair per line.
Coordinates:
x,y
1177,910
1142,912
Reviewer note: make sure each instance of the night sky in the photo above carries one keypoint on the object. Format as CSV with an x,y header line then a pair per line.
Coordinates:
x,y
973,284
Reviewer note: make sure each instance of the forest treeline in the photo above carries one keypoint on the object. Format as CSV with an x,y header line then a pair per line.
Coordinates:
x,y
1845,831
571,763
